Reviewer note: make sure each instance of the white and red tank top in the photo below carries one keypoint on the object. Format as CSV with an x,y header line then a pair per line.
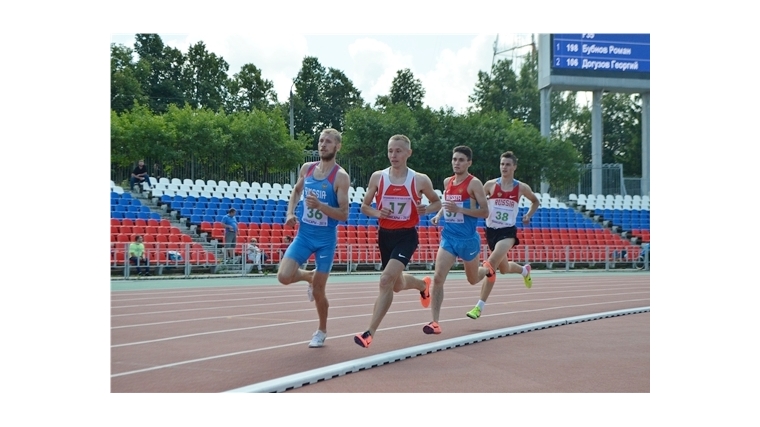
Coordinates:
x,y
401,199
503,206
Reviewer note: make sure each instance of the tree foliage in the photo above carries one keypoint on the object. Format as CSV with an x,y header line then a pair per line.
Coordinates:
x,y
249,91
407,90
125,80
206,78
322,99
160,73
497,90
184,109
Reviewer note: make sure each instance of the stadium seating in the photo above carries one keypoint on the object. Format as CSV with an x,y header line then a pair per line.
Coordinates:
x,y
557,233
628,213
130,218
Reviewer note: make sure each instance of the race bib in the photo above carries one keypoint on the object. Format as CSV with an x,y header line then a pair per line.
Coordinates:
x,y
400,207
501,213
314,217
454,217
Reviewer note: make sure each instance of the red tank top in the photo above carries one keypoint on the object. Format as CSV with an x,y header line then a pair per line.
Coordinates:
x,y
401,199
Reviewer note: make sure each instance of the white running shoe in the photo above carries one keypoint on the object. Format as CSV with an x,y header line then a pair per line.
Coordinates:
x,y
310,293
318,339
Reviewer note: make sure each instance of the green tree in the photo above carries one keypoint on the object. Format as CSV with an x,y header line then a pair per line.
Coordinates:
x,y
201,137
527,107
205,78
139,133
621,132
321,100
125,85
621,118
497,91
439,132
367,131
248,90
308,97
262,131
494,133
160,72
405,89
340,96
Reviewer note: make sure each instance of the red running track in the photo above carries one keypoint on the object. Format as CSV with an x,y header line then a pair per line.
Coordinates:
x,y
221,334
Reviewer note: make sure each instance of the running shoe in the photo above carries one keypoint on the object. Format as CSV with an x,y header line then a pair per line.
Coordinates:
x,y
474,313
431,328
492,278
425,295
310,293
527,279
364,339
318,339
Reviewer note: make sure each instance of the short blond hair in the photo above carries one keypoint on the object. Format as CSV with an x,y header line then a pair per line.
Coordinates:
x,y
334,133
400,137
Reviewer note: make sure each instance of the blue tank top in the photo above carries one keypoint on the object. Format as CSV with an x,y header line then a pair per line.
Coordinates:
x,y
459,225
315,222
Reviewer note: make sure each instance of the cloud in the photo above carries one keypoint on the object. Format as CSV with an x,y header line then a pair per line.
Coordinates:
x,y
446,65
455,74
374,66
279,58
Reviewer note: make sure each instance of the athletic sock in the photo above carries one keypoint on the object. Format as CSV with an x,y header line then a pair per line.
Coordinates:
x,y
524,272
481,304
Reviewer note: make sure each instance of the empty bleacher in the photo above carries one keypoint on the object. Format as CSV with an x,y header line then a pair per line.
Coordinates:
x,y
628,214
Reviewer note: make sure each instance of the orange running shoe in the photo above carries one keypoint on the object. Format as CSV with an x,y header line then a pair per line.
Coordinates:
x,y
491,279
425,295
431,328
364,339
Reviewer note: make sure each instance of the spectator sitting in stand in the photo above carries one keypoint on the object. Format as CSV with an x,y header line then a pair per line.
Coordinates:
x,y
286,241
138,257
140,175
254,254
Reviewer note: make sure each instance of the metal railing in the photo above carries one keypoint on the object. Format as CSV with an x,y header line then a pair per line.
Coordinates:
x,y
182,259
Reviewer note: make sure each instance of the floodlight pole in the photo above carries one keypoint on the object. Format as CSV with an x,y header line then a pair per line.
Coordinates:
x,y
292,129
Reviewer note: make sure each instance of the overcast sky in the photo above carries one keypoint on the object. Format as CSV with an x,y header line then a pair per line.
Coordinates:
x,y
446,64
